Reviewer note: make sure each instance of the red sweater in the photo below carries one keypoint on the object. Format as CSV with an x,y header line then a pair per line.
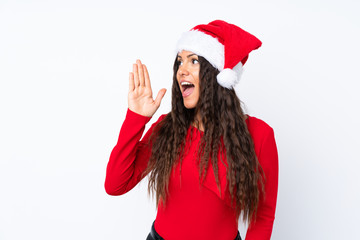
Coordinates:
x,y
194,209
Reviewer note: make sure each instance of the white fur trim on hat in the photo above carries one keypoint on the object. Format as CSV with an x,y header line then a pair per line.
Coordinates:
x,y
203,45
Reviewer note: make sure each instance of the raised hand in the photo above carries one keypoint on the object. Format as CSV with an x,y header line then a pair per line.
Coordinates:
x,y
140,98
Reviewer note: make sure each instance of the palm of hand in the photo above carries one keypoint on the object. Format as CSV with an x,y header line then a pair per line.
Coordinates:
x,y
140,98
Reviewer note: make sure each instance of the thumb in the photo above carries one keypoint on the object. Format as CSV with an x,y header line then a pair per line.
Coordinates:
x,y
159,97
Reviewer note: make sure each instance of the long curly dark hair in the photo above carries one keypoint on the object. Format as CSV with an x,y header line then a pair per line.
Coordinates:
x,y
222,116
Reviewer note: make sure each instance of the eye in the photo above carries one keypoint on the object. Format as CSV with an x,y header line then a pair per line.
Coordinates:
x,y
179,62
195,61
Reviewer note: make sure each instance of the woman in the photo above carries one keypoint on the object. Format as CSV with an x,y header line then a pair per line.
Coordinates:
x,y
208,162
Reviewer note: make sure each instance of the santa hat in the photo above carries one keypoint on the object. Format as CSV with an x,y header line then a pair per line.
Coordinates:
x,y
224,45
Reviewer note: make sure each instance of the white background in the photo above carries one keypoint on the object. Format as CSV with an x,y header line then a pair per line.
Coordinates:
x,y
63,96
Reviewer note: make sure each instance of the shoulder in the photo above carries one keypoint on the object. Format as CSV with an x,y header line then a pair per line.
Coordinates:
x,y
159,120
258,125
264,145
162,117
259,130
133,116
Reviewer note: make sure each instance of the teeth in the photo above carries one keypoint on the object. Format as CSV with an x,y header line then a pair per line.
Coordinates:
x,y
186,83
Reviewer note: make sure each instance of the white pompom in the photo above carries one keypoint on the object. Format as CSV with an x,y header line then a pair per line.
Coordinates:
x,y
227,78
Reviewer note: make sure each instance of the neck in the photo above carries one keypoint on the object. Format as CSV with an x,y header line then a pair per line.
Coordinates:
x,y
197,122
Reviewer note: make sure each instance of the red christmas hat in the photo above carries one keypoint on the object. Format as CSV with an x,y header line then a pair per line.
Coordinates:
x,y
224,45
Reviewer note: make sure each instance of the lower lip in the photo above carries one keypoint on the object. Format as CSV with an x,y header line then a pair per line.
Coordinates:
x,y
188,92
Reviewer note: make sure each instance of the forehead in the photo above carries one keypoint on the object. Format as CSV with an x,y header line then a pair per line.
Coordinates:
x,y
185,53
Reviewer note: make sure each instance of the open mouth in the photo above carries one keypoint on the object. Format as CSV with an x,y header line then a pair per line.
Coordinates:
x,y
187,88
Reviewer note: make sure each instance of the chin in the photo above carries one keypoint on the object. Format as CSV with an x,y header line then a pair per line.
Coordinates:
x,y
189,105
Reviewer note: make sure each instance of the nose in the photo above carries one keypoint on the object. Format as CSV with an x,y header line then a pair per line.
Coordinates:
x,y
183,70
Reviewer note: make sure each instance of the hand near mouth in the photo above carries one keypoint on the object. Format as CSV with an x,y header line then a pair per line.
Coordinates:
x,y
140,99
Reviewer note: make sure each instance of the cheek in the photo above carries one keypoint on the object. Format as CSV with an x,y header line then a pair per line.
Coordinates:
x,y
197,76
197,82
178,78
198,92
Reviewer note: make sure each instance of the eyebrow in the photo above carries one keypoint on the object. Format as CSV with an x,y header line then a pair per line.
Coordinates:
x,y
187,55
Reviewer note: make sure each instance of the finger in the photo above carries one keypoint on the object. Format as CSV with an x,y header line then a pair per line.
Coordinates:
x,y
159,97
131,82
136,75
141,73
147,78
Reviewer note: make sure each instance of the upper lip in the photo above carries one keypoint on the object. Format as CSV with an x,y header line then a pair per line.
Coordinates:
x,y
181,81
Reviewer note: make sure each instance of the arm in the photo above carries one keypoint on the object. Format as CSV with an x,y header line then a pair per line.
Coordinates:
x,y
268,158
130,156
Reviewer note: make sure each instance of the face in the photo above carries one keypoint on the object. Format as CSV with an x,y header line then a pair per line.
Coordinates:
x,y
188,78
